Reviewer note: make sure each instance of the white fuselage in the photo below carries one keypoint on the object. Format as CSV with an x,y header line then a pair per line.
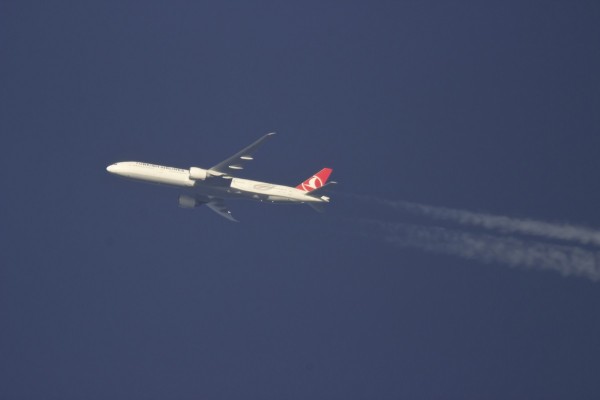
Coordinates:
x,y
217,186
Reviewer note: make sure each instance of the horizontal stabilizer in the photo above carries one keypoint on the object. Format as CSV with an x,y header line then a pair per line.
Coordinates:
x,y
318,191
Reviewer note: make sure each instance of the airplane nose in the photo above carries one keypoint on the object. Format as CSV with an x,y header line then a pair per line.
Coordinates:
x,y
111,168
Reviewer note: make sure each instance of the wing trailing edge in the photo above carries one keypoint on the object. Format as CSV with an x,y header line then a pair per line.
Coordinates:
x,y
239,159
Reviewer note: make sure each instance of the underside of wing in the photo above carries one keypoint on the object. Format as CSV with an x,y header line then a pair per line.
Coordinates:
x,y
218,206
238,161
215,204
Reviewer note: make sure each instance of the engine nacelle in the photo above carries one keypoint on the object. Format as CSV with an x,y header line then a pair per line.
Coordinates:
x,y
186,201
198,174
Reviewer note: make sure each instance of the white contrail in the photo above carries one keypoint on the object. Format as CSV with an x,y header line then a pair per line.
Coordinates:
x,y
567,260
525,226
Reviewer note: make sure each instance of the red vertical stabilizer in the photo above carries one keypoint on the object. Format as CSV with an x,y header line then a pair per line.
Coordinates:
x,y
315,181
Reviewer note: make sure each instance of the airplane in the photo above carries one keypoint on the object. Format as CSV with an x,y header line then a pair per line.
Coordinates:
x,y
211,186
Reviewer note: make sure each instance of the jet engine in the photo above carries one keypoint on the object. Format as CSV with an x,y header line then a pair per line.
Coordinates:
x,y
198,174
186,201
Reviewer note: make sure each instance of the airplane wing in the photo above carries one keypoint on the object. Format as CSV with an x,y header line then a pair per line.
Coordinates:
x,y
215,204
238,160
218,206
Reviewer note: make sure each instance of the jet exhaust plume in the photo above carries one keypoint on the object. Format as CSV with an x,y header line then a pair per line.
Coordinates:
x,y
503,224
567,260
502,240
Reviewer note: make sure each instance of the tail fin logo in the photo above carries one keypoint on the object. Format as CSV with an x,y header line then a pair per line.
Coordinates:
x,y
316,181
312,183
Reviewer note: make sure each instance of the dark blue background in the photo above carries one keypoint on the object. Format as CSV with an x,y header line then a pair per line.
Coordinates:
x,y
108,290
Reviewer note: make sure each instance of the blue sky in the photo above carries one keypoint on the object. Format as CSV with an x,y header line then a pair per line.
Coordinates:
x,y
109,290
